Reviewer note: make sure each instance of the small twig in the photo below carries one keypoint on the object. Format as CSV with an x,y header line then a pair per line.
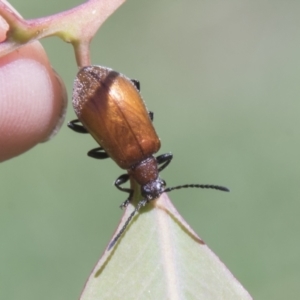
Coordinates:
x,y
76,26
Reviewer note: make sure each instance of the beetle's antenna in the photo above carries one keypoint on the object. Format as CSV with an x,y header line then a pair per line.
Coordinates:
x,y
138,207
202,186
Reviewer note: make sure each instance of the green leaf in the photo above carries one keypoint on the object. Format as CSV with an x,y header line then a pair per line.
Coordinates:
x,y
160,257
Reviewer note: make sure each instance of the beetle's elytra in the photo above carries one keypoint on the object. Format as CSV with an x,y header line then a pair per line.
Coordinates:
x,y
109,107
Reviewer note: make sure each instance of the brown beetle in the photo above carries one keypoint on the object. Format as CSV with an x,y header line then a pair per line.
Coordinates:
x,y
111,109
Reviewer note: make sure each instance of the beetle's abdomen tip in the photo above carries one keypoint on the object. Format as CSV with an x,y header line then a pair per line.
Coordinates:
x,y
87,81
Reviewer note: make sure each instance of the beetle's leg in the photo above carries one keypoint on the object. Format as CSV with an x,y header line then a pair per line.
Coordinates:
x,y
98,153
164,159
136,84
121,180
77,127
151,115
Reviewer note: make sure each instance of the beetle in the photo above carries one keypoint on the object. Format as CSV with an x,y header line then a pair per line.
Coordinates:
x,y
109,107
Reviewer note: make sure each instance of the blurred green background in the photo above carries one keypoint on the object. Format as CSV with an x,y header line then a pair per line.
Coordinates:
x,y
223,80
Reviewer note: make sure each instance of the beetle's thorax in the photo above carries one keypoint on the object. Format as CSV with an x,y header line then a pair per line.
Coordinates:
x,y
145,171
146,174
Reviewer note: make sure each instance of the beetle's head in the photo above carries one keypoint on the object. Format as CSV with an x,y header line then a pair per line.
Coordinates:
x,y
153,189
